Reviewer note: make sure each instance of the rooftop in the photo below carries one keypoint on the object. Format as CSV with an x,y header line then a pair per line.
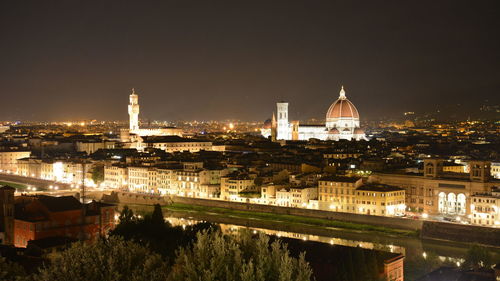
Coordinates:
x,y
60,204
340,179
156,139
379,188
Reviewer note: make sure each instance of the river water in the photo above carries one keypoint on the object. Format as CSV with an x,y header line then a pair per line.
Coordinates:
x,y
421,256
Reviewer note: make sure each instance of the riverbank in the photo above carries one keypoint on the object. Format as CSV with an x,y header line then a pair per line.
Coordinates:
x,y
17,186
290,219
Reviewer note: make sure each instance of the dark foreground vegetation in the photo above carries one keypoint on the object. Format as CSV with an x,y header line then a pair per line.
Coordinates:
x,y
148,248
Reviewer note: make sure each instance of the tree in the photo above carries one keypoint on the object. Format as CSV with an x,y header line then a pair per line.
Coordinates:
x,y
10,271
98,174
258,181
157,216
156,234
126,215
214,256
477,257
112,259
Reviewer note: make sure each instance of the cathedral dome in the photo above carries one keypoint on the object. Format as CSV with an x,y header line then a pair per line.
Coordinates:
x,y
268,124
359,131
342,108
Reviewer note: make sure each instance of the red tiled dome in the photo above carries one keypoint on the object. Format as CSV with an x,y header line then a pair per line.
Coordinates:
x,y
342,107
358,131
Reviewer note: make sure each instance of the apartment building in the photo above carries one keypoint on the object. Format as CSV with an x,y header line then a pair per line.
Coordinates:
x,y
485,209
380,200
338,193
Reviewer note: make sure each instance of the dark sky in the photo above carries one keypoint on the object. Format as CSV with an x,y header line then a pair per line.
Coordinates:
x,y
213,60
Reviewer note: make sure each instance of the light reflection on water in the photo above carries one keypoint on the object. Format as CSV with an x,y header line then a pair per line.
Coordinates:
x,y
231,229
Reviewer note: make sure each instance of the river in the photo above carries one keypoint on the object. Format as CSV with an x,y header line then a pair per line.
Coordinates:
x,y
421,256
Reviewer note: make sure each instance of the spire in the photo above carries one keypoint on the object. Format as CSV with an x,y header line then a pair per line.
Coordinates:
x,y
273,121
133,91
342,93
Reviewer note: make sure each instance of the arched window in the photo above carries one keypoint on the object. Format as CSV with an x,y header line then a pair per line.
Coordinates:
x,y
461,204
452,203
442,203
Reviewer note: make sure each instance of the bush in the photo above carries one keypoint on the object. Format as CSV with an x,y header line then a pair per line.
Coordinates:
x,y
113,259
215,256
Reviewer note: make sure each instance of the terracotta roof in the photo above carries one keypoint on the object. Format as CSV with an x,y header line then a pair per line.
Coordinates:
x,y
342,108
60,204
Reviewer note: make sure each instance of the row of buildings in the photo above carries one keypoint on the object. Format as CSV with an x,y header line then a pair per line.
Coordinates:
x,y
436,188
434,192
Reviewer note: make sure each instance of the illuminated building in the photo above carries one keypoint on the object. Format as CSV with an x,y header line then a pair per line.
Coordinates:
x,y
232,185
9,160
134,129
196,181
142,179
173,144
342,122
115,176
29,167
338,193
90,147
40,217
350,195
495,170
380,200
485,209
296,196
436,192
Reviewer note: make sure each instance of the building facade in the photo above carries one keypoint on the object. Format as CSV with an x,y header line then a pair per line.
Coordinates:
x,y
232,185
7,215
134,128
342,122
380,200
9,160
485,209
40,217
338,193
438,193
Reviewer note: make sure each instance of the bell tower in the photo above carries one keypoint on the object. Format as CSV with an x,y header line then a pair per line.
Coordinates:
x,y
433,168
133,111
480,171
282,130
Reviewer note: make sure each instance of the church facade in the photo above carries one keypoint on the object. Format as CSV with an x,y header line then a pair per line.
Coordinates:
x,y
342,122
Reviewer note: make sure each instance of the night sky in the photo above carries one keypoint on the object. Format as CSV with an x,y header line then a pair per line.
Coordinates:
x,y
214,60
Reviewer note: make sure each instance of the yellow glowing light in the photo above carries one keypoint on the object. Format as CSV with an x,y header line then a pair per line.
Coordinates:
x,y
82,124
231,126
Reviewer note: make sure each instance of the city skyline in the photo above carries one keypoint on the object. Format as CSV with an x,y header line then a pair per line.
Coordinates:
x,y
234,61
249,140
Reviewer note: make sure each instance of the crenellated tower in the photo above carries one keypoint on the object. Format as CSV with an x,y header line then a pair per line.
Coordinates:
x,y
133,111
